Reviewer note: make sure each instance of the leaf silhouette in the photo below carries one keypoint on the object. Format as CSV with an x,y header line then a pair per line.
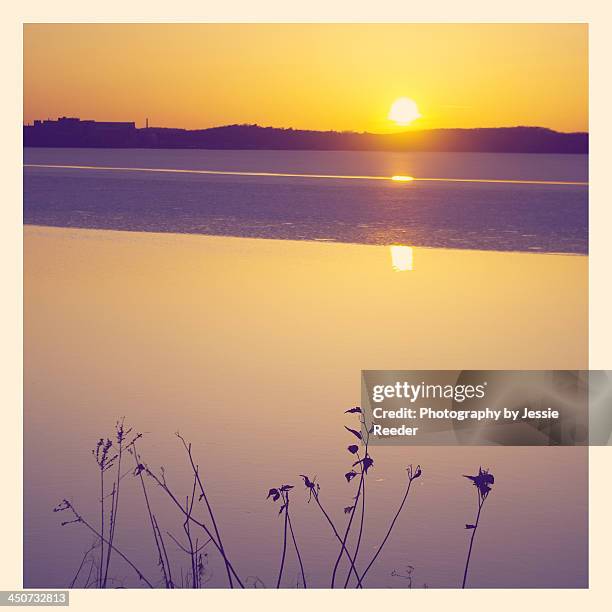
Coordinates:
x,y
366,463
307,482
470,526
348,509
353,448
286,488
350,475
482,481
353,410
274,494
355,433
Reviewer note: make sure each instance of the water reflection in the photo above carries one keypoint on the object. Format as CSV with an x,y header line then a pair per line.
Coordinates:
x,y
156,353
401,258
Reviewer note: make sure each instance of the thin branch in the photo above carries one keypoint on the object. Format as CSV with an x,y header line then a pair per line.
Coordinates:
x,y
297,551
200,548
364,468
163,558
66,505
82,564
165,487
344,548
411,477
210,512
282,565
359,537
467,562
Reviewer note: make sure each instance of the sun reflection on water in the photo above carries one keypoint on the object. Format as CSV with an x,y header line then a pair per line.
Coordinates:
x,y
401,258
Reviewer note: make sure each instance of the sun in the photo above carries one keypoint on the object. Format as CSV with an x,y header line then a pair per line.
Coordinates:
x,y
404,111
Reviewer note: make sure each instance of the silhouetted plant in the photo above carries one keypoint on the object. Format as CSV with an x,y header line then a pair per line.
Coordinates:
x,y
78,518
105,461
120,437
363,465
297,550
282,493
197,559
363,506
412,476
255,582
407,575
204,497
163,560
192,550
161,481
108,455
483,482
313,493
82,564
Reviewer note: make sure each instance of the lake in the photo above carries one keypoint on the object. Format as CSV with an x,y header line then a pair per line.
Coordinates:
x,y
184,303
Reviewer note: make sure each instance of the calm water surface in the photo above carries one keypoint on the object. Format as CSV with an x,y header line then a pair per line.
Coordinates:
x,y
252,349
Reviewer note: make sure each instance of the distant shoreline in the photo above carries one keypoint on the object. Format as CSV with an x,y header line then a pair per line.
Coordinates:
x,y
69,132
160,148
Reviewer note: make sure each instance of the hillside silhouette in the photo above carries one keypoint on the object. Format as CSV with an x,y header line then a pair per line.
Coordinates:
x,y
73,132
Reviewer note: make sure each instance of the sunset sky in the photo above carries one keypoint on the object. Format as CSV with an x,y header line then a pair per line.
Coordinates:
x,y
340,77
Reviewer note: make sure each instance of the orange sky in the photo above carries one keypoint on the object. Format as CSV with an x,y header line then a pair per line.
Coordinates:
x,y
341,77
